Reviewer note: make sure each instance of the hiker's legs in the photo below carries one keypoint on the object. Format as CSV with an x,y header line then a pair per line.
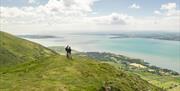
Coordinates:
x,y
67,55
70,56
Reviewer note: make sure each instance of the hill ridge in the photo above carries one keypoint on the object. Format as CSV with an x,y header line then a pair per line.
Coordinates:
x,y
12,47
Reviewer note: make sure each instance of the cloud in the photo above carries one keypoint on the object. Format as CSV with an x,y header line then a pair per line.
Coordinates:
x,y
168,9
157,12
117,19
31,1
78,15
168,6
168,17
58,11
112,19
173,13
12,12
53,7
134,6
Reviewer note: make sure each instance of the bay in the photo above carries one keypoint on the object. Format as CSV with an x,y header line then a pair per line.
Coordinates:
x,y
162,53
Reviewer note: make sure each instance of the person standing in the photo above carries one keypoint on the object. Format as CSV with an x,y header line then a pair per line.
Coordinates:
x,y
68,52
66,49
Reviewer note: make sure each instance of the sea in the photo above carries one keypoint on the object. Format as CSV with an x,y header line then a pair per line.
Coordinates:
x,y
161,53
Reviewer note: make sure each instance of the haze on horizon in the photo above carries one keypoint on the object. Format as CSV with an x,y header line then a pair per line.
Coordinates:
x,y
50,16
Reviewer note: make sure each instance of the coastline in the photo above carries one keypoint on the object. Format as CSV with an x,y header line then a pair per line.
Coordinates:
x,y
128,55
168,63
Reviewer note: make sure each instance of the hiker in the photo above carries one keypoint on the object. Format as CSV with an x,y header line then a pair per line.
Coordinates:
x,y
66,49
68,52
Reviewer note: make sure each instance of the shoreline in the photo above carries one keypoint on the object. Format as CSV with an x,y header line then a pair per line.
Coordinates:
x,y
132,56
148,60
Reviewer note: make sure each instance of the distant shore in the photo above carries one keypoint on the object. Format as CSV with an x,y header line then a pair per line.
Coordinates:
x,y
122,56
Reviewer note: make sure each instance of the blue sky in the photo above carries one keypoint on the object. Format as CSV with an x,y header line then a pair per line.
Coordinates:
x,y
20,3
90,14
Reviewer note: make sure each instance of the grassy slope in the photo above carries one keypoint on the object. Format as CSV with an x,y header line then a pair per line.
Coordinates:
x,y
58,73
43,70
15,50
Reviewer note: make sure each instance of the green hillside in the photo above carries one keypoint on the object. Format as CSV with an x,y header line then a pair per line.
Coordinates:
x,y
15,50
27,66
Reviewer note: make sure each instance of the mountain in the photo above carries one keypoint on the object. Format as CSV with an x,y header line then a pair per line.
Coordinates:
x,y
27,66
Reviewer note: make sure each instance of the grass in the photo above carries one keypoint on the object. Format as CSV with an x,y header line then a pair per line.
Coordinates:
x,y
15,50
58,73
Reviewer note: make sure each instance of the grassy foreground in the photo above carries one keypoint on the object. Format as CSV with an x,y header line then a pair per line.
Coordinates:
x,y
59,74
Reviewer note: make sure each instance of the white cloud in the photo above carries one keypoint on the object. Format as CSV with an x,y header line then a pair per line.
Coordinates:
x,y
31,1
168,6
112,19
157,12
168,17
13,12
134,6
54,11
76,15
53,7
173,13
168,9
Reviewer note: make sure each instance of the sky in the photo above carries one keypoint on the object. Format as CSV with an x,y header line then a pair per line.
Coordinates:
x,y
58,16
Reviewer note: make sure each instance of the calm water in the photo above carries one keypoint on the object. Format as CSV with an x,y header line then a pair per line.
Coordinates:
x,y
161,53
